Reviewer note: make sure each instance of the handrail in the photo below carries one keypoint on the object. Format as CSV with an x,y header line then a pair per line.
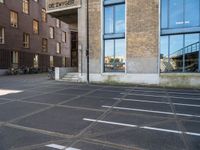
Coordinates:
x,y
185,50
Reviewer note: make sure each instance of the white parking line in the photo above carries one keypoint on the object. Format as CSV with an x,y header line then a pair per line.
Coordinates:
x,y
151,111
156,102
60,147
160,96
141,127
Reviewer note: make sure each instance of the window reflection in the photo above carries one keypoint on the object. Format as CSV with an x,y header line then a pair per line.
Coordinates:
x,y
191,13
180,53
119,19
191,52
180,13
164,50
176,13
114,59
176,55
114,43
164,14
109,20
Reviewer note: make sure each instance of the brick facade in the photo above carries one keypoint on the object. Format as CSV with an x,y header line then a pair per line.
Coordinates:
x,y
14,36
142,33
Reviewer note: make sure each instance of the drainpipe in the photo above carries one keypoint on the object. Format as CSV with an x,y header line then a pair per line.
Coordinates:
x,y
87,51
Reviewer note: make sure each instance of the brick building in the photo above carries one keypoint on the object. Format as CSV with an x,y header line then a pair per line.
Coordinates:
x,y
29,37
135,41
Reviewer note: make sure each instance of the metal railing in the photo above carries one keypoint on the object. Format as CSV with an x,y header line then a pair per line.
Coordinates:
x,y
186,50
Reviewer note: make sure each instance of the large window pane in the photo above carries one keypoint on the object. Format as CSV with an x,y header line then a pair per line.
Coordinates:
x,y
120,55
164,53
191,52
114,60
108,20
191,13
120,18
176,53
164,14
176,13
109,55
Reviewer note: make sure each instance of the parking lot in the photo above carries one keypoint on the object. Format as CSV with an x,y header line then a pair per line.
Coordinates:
x,y
41,114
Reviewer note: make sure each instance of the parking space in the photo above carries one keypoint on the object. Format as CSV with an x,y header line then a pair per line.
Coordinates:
x,y
41,114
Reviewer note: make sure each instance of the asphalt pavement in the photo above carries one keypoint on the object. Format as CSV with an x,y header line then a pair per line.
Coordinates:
x,y
41,114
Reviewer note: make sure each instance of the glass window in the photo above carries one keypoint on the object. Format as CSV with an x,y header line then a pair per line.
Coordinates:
x,y
114,55
176,53
1,1
192,13
109,22
44,45
26,40
164,54
15,57
176,13
13,19
36,61
120,18
2,35
164,14
35,26
51,61
44,16
58,48
191,50
120,55
63,61
64,37
114,48
109,55
25,6
51,32
57,23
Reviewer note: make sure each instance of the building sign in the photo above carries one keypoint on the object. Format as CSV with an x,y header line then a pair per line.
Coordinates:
x,y
58,5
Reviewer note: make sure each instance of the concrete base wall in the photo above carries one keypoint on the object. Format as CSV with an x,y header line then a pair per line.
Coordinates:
x,y
123,78
182,80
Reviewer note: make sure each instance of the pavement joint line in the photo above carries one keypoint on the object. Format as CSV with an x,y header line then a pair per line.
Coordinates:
x,y
109,145
41,94
100,117
151,111
179,125
158,102
40,131
161,96
46,108
171,92
141,127
9,101
40,145
114,145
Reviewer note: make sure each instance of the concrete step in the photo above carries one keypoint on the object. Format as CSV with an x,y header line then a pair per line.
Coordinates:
x,y
71,77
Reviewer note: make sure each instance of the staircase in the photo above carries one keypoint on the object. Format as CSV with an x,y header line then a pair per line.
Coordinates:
x,y
71,77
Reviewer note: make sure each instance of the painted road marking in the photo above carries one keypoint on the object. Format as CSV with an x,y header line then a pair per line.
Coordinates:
x,y
160,96
155,102
56,146
60,147
152,111
141,127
